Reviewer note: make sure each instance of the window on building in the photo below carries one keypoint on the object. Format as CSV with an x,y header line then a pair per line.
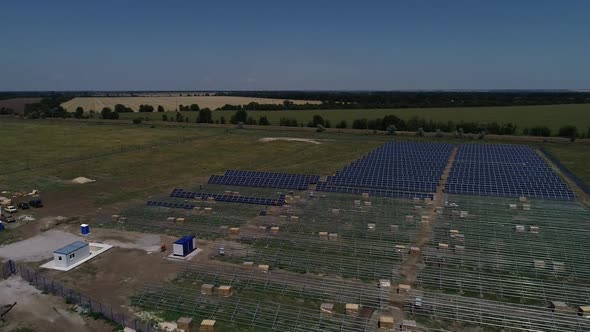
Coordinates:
x,y
59,258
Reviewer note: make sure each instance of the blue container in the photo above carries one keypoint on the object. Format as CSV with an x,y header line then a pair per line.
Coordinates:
x,y
85,229
187,243
1,226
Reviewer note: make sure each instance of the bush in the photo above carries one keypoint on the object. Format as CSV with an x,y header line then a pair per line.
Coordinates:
x,y
439,134
569,132
481,135
164,117
341,125
263,121
539,131
137,120
320,128
420,132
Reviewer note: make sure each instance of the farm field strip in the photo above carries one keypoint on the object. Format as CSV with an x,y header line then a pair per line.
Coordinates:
x,y
170,103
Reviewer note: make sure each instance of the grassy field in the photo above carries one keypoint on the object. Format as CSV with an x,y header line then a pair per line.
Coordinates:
x,y
169,103
134,161
552,116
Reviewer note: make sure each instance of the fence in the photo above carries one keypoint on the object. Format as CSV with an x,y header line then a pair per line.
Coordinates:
x,y
77,298
566,171
7,269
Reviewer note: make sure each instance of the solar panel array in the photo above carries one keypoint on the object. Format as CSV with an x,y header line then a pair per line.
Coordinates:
x,y
396,169
323,186
504,170
264,179
171,205
180,193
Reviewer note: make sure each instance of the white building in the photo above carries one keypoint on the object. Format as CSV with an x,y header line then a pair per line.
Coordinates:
x,y
71,254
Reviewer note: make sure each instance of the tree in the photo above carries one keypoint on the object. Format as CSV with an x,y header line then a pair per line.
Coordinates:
x,y
120,108
263,121
146,108
239,116
137,120
540,131
160,108
251,121
320,128
342,124
194,108
179,117
392,120
317,120
108,114
79,113
359,124
205,115
420,132
327,124
164,117
222,120
439,133
570,132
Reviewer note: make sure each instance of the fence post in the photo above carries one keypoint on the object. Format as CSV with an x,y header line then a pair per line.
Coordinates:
x,y
100,307
90,303
112,317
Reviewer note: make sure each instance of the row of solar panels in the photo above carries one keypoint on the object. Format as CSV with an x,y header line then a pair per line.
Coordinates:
x,y
274,175
504,170
229,198
171,205
407,166
323,186
258,182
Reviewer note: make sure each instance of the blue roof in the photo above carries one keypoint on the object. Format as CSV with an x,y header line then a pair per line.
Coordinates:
x,y
184,239
70,248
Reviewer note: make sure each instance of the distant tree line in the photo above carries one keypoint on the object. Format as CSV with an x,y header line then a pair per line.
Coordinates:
x,y
399,99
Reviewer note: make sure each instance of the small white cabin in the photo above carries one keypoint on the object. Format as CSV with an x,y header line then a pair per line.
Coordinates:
x,y
71,254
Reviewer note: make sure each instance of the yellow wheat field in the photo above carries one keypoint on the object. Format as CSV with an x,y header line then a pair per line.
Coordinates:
x,y
170,103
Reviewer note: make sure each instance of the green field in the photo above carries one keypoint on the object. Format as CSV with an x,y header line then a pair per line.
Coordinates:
x,y
135,161
552,116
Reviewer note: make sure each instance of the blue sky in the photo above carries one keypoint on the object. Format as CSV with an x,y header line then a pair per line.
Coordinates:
x,y
311,45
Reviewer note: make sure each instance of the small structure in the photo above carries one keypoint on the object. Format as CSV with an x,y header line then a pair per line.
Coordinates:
x,y
71,254
333,237
115,218
225,291
249,266
539,264
409,325
234,230
558,306
263,268
179,219
522,199
352,309
170,219
584,311
335,211
357,202
384,283
208,210
367,203
274,229
409,218
327,308
394,228
463,214
323,235
519,228
415,251
207,325
534,229
184,246
443,246
386,322
207,289
403,288
425,218
294,218
184,324
371,226
558,267
512,206
459,249
85,229
526,207
365,195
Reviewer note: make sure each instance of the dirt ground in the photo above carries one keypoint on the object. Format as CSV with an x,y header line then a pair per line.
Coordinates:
x,y
41,312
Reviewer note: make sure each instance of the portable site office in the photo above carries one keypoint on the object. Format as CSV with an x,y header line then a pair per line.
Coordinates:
x,y
71,254
185,245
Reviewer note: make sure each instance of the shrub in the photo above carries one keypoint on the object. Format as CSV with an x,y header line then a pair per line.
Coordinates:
x,y
439,133
391,130
420,132
137,120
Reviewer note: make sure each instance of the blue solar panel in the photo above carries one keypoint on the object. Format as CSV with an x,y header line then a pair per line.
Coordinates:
x,y
179,193
264,179
504,170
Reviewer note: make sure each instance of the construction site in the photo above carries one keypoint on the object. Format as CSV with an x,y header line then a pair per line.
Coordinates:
x,y
380,245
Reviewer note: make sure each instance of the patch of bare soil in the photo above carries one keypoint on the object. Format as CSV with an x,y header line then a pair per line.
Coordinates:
x,y
41,312
289,139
